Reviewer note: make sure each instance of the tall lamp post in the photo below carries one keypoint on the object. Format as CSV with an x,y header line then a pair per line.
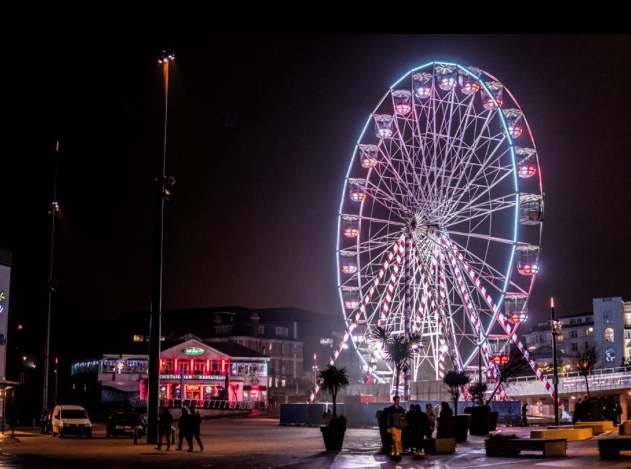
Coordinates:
x,y
162,194
556,331
51,282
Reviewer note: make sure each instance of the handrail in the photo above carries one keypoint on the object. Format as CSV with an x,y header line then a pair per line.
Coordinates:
x,y
571,374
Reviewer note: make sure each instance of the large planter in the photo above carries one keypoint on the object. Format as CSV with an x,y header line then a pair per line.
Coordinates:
x,y
461,425
480,420
493,421
333,437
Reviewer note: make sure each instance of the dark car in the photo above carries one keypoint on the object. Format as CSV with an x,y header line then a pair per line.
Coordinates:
x,y
123,424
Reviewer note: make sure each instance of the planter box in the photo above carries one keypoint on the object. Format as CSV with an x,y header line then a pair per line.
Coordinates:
x,y
493,423
480,420
460,424
440,445
333,437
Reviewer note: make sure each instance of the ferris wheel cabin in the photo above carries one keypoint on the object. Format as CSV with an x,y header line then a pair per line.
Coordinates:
x,y
530,209
527,257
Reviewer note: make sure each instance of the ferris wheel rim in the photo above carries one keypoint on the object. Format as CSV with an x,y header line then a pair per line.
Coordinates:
x,y
511,146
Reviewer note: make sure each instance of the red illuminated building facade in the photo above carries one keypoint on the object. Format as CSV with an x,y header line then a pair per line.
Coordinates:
x,y
190,369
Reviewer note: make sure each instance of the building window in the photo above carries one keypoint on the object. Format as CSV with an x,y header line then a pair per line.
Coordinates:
x,y
609,334
610,355
283,382
261,330
282,331
608,317
627,334
573,347
223,329
573,334
139,338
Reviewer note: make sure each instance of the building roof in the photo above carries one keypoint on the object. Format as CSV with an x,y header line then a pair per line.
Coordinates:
x,y
230,349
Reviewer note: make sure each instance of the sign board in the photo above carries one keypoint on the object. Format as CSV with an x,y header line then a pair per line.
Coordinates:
x,y
5,277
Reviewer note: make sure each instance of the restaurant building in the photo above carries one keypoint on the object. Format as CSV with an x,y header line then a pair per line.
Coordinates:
x,y
190,369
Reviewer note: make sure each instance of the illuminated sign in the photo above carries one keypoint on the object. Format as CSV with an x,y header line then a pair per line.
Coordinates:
x,y
192,351
200,377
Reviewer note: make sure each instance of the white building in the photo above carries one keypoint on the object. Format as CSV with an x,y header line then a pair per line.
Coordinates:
x,y
608,328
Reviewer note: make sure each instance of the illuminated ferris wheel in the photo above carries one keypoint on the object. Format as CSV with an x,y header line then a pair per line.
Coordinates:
x,y
440,223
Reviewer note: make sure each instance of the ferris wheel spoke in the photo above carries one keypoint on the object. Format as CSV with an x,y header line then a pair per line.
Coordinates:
x,y
482,209
386,200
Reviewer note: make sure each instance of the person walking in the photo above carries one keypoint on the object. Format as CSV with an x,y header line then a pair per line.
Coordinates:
x,y
576,416
524,415
183,426
431,420
445,425
165,423
396,415
195,424
618,414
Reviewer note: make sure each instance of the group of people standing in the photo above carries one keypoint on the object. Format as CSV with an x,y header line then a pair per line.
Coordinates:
x,y
189,427
405,431
583,411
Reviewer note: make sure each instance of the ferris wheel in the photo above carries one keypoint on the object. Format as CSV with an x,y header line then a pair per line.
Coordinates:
x,y
440,224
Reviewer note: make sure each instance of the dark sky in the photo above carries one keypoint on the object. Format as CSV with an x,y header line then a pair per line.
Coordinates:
x,y
261,131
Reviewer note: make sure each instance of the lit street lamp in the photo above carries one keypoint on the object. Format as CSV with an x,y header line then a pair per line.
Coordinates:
x,y
162,194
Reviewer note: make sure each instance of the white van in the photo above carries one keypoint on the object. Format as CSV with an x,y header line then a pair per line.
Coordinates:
x,y
71,420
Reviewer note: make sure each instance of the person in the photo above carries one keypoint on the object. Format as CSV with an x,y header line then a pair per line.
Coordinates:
x,y
165,424
445,427
194,429
586,414
524,416
422,424
396,415
183,426
386,439
431,420
618,414
327,417
576,416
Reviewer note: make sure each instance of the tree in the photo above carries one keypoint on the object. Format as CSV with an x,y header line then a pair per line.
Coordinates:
x,y
477,391
517,365
585,360
455,380
333,380
397,349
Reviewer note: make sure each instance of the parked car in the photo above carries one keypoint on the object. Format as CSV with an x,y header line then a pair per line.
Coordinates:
x,y
123,424
71,420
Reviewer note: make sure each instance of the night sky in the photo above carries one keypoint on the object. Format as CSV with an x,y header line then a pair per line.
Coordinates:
x,y
261,130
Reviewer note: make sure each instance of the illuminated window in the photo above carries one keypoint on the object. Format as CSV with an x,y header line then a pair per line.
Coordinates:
x,y
283,382
610,355
608,317
609,334
139,338
627,334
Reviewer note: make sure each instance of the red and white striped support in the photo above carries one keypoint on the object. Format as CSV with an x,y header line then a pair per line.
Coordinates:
x,y
506,325
441,359
474,318
391,283
360,311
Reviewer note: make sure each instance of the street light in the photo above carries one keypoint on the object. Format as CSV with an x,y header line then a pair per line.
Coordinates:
x,y
556,331
51,282
162,194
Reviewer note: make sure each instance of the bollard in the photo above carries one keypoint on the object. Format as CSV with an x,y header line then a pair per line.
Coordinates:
x,y
136,431
172,435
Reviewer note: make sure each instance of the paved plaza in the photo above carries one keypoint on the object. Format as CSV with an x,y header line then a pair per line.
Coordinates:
x,y
261,443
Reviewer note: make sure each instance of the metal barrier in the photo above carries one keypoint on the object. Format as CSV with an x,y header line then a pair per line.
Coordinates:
x,y
203,404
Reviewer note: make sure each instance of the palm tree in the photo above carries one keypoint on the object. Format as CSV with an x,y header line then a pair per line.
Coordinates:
x,y
398,350
456,380
333,380
516,366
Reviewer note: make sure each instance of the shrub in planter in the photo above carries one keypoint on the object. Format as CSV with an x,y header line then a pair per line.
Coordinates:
x,y
333,379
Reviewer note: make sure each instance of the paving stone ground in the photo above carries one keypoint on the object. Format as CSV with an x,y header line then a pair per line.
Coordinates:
x,y
261,443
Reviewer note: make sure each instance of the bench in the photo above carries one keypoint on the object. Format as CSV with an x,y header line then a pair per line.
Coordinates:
x,y
440,445
569,433
609,448
513,446
605,425
625,429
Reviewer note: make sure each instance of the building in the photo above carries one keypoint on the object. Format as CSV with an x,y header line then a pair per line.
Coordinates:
x,y
190,368
607,328
296,342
